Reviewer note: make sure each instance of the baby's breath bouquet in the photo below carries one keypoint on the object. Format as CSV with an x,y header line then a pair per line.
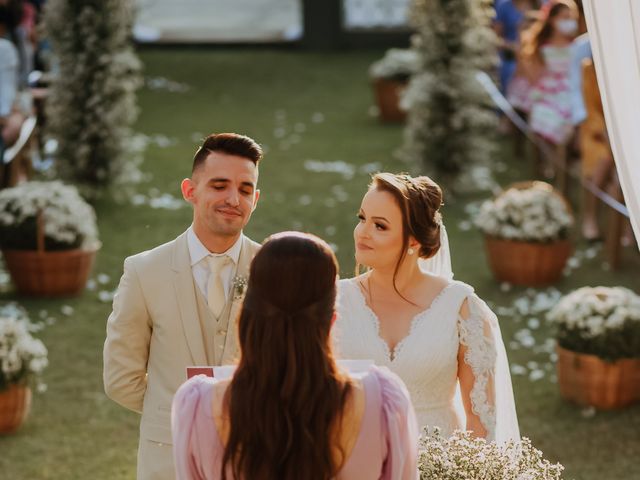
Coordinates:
x,y
536,213
69,222
397,64
21,355
464,457
601,321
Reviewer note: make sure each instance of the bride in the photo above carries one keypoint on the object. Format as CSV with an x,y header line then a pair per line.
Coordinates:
x,y
406,313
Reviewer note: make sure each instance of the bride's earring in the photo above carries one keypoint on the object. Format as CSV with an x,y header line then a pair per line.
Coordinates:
x,y
411,251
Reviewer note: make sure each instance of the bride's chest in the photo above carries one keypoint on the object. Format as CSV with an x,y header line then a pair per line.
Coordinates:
x,y
429,339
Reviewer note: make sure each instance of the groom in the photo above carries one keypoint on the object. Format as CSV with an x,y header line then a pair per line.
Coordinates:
x,y
176,304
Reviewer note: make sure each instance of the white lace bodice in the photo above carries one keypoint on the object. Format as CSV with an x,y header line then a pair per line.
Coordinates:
x,y
427,358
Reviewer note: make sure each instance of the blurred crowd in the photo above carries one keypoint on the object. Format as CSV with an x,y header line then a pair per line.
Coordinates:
x,y
547,74
22,57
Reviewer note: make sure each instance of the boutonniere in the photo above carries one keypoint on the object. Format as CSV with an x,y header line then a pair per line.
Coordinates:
x,y
239,287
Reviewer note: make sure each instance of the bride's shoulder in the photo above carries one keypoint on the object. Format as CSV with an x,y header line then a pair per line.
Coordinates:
x,y
348,290
472,305
347,284
465,287
442,284
436,281
458,294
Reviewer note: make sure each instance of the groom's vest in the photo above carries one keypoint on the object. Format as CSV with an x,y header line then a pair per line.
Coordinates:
x,y
214,333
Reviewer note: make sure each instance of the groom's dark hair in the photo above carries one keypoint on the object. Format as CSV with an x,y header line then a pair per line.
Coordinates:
x,y
229,143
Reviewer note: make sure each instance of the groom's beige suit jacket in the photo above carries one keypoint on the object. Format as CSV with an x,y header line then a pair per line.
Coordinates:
x,y
154,333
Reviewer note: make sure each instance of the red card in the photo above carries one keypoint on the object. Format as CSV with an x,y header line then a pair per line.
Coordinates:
x,y
193,371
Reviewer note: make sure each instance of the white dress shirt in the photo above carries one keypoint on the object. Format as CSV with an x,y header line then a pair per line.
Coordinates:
x,y
200,268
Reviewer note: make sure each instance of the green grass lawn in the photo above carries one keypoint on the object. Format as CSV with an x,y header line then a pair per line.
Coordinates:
x,y
304,107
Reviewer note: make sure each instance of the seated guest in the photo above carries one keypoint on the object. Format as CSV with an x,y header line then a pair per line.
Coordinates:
x,y
10,120
597,159
289,412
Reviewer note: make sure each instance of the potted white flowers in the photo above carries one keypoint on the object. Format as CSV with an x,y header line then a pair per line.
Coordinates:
x,y
598,334
48,237
464,457
527,234
21,357
390,77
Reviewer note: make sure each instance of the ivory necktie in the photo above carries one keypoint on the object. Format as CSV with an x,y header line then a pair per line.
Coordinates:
x,y
215,286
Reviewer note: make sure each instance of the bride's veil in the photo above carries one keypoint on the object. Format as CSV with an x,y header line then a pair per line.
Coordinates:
x,y
506,427
440,263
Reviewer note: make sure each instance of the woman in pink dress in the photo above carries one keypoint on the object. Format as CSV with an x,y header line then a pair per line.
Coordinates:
x,y
546,61
289,412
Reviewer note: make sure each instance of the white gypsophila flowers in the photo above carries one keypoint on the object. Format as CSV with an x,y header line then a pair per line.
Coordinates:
x,y
464,457
593,311
536,214
67,217
21,355
92,104
396,62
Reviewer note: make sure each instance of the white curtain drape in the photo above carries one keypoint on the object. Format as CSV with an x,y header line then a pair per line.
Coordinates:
x,y
614,32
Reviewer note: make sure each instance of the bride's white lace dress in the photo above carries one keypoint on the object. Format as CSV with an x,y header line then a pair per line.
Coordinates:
x,y
427,358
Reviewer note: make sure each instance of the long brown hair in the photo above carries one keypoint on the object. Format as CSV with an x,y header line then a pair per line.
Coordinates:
x,y
538,34
287,394
419,200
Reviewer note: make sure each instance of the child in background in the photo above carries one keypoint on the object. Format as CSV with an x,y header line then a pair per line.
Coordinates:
x,y
546,62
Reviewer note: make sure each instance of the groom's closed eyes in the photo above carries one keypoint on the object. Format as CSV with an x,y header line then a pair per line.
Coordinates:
x,y
246,188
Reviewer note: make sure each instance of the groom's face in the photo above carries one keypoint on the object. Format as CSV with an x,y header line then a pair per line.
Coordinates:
x,y
223,193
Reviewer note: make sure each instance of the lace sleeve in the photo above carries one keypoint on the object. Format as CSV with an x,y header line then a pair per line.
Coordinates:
x,y
491,395
480,355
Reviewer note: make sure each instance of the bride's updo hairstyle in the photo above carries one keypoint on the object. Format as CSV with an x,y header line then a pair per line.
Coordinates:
x,y
419,199
287,393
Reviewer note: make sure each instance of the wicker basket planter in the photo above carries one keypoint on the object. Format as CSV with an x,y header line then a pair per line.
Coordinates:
x,y
527,263
41,273
590,381
387,94
15,403
48,237
518,247
49,274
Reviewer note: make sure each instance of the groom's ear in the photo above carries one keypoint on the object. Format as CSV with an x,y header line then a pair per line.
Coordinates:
x,y
187,187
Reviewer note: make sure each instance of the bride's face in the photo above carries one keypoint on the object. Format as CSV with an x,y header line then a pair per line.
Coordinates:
x,y
378,234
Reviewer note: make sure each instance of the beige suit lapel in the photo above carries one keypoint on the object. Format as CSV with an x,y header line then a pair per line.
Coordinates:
x,y
186,298
230,353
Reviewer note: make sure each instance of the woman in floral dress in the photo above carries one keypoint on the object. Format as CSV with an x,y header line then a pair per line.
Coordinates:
x,y
546,60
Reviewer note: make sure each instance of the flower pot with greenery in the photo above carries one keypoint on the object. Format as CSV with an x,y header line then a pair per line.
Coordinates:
x,y
390,76
598,334
526,231
21,357
48,237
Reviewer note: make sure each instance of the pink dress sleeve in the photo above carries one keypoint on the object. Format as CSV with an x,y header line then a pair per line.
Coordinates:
x,y
399,428
197,449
